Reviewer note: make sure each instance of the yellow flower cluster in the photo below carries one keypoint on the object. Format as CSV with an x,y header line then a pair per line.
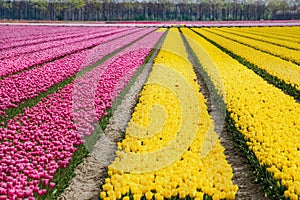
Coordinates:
x,y
278,30
282,52
284,70
282,36
170,148
161,30
210,66
268,118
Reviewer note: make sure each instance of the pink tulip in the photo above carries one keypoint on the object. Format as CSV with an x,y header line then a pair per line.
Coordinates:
x,y
2,191
52,185
42,192
28,193
11,192
45,182
20,193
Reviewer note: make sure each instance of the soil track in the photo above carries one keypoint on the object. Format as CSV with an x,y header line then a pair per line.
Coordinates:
x,y
91,173
242,171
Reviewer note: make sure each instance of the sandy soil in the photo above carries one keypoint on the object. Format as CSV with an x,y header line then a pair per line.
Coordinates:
x,y
90,174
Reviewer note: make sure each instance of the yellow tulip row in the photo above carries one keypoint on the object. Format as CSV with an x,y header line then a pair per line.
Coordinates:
x,y
285,32
283,36
161,30
170,147
284,70
288,30
267,118
282,52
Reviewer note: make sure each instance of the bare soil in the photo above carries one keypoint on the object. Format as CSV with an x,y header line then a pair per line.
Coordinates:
x,y
90,174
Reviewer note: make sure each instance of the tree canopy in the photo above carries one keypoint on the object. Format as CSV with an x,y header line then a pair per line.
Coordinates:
x,y
123,10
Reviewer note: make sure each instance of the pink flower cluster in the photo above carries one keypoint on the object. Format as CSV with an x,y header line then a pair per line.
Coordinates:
x,y
24,61
35,145
99,88
12,36
52,42
44,138
29,84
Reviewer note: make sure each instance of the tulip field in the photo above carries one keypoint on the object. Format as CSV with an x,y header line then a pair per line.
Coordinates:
x,y
59,85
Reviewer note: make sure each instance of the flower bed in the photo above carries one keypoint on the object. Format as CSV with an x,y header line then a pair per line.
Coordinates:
x,y
260,45
25,61
170,148
30,84
62,41
271,64
274,35
44,138
14,36
266,118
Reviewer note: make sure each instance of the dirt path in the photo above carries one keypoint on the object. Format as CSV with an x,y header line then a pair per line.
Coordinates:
x,y
90,174
242,172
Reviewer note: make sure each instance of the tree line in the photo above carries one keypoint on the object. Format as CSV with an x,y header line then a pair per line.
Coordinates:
x,y
159,10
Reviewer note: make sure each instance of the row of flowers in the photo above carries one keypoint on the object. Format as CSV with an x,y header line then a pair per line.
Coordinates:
x,y
25,61
43,139
94,93
14,36
284,70
281,36
266,117
282,52
29,84
170,148
62,42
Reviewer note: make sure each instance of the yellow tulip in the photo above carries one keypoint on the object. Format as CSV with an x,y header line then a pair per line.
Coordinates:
x,y
149,195
102,195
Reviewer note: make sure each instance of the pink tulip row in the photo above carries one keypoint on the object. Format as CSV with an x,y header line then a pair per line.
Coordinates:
x,y
29,84
44,138
16,64
32,144
99,88
12,35
67,39
10,43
